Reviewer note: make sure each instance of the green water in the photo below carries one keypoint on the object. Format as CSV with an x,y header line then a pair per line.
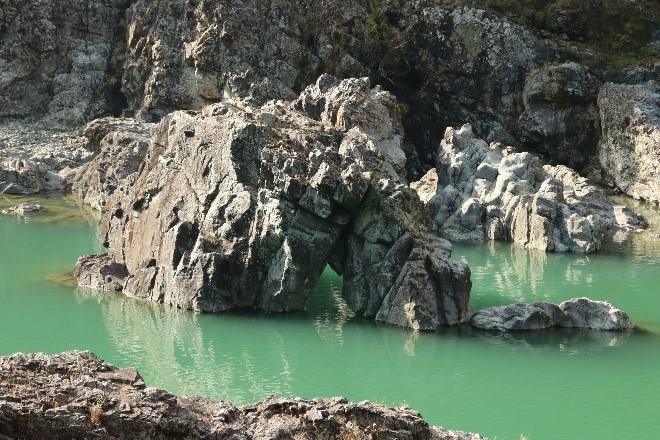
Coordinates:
x,y
550,385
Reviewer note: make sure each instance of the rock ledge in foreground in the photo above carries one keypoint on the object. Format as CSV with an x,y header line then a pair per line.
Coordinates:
x,y
77,395
577,313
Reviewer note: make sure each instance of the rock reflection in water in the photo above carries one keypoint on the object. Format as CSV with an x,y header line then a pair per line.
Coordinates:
x,y
214,359
563,340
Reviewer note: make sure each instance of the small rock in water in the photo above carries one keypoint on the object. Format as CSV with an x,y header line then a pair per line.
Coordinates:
x,y
23,209
577,313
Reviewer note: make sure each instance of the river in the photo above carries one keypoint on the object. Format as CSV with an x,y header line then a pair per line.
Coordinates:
x,y
545,385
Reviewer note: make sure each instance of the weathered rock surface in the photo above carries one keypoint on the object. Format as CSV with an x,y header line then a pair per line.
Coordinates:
x,y
121,145
23,209
629,151
237,207
578,313
21,177
100,272
561,117
77,395
54,60
491,192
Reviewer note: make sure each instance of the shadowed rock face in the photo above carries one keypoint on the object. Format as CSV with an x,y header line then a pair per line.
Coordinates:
x,y
245,207
481,192
77,395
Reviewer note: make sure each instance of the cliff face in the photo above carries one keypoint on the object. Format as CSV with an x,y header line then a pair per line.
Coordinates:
x,y
56,60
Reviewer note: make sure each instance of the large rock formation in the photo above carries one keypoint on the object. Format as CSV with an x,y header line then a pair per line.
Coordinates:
x,y
629,151
77,395
480,192
241,207
578,313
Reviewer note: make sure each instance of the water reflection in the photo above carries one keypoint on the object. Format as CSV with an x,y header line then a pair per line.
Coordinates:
x,y
562,340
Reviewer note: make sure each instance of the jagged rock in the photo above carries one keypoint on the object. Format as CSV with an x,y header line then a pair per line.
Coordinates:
x,y
578,313
122,144
240,207
77,395
491,192
561,117
23,209
629,151
100,272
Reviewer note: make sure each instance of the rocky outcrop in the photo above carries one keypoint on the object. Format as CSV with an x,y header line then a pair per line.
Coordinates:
x,y
77,395
54,60
490,192
578,313
244,207
629,151
121,145
21,177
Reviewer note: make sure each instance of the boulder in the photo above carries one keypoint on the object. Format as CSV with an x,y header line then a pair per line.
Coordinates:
x,y
492,192
77,395
244,207
100,272
22,177
578,313
629,152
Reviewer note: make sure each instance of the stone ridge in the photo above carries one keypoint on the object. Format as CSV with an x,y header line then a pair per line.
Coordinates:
x,y
244,207
77,395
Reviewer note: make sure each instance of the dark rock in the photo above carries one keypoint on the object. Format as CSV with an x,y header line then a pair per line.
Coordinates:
x,y
100,272
77,395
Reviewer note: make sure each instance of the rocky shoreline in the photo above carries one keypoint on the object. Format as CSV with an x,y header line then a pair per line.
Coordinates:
x,y
77,395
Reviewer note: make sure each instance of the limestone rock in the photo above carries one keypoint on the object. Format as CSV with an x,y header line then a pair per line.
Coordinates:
x,y
22,177
578,313
244,207
100,272
630,147
77,395
491,192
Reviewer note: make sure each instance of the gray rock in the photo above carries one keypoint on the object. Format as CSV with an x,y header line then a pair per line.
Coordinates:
x,y
23,209
237,207
77,395
629,151
100,272
578,313
23,177
491,192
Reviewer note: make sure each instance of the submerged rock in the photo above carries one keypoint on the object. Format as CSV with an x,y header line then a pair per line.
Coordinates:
x,y
23,209
241,207
629,151
578,313
77,395
490,192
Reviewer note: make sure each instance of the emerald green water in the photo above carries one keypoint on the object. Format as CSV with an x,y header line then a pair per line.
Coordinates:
x,y
549,385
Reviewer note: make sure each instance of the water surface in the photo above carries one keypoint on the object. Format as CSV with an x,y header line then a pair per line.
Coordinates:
x,y
546,385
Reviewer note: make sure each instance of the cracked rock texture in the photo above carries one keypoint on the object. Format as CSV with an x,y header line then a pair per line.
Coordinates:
x,y
629,151
77,395
578,313
244,207
490,192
